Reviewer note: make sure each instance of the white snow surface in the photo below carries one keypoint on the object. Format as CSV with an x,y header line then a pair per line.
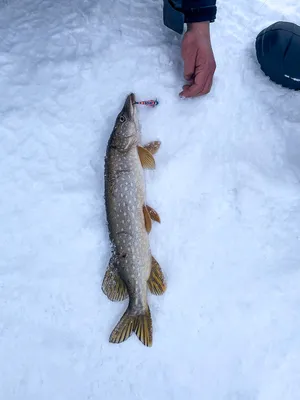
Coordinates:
x,y
226,187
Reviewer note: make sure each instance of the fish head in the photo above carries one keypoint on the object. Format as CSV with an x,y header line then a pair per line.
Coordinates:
x,y
126,130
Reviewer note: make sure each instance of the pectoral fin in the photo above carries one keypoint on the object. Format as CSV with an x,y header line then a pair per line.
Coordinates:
x,y
156,281
153,214
146,158
113,286
148,222
153,147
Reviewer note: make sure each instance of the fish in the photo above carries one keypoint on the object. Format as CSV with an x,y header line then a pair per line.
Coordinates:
x,y
132,269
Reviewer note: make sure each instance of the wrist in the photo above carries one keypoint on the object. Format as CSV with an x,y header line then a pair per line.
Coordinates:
x,y
202,27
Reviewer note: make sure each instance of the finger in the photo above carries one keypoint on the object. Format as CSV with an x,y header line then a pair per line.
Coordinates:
x,y
190,91
194,89
183,92
189,78
197,89
208,85
203,80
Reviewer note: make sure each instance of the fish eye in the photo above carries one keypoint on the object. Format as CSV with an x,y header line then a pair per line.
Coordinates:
x,y
122,118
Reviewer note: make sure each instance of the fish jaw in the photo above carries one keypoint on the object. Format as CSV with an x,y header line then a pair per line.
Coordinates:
x,y
130,109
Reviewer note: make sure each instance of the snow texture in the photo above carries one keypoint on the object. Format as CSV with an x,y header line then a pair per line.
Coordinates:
x,y
226,187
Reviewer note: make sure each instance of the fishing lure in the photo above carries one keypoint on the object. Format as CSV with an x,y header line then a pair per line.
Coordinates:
x,y
149,103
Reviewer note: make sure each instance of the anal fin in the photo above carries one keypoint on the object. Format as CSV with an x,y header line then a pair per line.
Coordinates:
x,y
113,286
156,282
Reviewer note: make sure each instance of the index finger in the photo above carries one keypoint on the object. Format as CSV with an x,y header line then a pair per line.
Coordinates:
x,y
198,87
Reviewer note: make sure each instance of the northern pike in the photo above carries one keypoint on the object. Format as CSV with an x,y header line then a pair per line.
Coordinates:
x,y
132,269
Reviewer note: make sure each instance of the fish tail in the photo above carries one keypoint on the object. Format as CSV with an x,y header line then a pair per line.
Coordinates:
x,y
141,324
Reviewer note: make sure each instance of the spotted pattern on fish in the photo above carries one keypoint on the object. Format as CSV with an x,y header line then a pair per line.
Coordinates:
x,y
132,269
124,198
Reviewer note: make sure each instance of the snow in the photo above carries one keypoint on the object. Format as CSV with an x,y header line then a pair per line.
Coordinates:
x,y
287,8
226,188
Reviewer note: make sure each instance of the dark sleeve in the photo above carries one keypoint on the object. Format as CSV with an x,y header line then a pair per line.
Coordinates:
x,y
199,10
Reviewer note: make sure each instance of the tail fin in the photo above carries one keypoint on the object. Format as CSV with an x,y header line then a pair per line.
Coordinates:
x,y
141,324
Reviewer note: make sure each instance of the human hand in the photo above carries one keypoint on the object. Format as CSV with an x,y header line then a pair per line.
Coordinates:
x,y
199,61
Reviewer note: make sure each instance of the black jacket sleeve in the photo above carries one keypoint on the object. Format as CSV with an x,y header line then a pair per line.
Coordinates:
x,y
198,10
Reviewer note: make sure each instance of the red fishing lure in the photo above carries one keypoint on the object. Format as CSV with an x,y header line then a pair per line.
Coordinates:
x,y
149,103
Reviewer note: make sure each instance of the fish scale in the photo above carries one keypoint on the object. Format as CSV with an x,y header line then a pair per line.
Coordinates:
x,y
132,269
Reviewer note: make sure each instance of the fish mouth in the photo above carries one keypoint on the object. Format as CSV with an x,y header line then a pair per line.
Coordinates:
x,y
132,98
130,106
